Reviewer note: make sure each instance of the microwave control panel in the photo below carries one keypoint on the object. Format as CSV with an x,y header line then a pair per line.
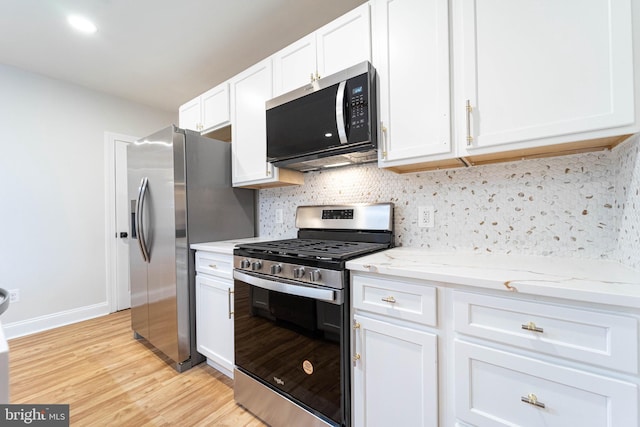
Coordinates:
x,y
358,95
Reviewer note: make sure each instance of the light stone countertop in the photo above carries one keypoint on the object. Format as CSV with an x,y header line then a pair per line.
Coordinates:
x,y
597,281
227,246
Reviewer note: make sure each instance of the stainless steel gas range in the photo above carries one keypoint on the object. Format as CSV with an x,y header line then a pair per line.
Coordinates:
x,y
291,298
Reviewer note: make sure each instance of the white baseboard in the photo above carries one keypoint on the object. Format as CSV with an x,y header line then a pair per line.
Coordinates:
x,y
50,321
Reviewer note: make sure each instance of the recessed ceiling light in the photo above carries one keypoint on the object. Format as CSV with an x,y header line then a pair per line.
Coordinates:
x,y
82,24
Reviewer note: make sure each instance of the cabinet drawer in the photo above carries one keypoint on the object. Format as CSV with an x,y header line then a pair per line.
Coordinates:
x,y
603,339
401,300
495,388
213,263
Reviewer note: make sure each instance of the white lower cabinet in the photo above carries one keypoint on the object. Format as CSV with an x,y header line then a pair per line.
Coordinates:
x,y
439,354
395,352
394,375
214,311
499,388
525,362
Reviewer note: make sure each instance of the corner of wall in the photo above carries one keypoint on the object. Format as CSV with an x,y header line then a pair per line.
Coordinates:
x,y
627,249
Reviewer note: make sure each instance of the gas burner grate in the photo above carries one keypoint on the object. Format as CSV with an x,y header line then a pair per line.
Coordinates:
x,y
315,248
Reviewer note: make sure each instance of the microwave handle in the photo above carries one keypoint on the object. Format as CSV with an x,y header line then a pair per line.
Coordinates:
x,y
340,119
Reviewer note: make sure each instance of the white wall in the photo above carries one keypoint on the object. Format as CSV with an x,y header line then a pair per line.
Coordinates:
x,y
52,193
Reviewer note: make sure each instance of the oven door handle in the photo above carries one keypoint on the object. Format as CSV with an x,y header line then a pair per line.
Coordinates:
x,y
287,288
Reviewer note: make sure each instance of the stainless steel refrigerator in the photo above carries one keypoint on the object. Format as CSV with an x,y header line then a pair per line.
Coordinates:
x,y
179,187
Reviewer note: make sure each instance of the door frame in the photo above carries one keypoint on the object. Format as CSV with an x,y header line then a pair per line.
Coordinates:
x,y
110,139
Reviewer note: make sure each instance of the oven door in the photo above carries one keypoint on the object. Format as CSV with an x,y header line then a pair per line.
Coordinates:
x,y
290,337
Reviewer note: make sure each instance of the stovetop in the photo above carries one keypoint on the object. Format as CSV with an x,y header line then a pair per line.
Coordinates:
x,y
328,236
320,249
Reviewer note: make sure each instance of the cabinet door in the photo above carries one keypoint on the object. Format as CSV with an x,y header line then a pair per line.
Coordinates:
x,y
214,321
411,48
344,42
295,65
215,107
189,115
249,92
395,376
543,69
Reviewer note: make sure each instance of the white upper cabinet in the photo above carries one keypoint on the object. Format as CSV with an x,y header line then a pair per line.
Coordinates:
x,y
206,112
340,44
249,92
537,73
215,107
411,55
295,65
501,80
344,42
189,115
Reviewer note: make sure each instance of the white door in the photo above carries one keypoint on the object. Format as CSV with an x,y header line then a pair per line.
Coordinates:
x,y
344,42
295,65
214,317
123,290
249,92
536,69
412,40
395,377
117,221
189,115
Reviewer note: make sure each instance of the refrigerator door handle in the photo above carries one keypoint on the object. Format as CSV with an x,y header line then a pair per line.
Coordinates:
x,y
139,220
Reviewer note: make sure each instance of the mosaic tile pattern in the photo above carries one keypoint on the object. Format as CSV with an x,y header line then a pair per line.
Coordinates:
x,y
628,206
574,205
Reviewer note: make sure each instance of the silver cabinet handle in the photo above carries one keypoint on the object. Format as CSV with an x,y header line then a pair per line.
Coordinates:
x,y
532,399
389,299
342,131
213,266
532,327
469,110
229,302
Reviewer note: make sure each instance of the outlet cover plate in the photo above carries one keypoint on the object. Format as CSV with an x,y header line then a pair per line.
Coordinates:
x,y
426,216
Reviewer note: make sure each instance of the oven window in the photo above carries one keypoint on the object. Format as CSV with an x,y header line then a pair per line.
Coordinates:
x,y
291,343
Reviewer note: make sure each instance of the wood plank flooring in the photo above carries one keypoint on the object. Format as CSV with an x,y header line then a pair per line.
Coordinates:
x,y
110,379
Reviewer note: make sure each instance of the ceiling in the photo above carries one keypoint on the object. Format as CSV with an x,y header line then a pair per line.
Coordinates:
x,y
160,53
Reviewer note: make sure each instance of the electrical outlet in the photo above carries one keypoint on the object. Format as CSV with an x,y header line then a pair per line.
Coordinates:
x,y
426,216
14,295
279,216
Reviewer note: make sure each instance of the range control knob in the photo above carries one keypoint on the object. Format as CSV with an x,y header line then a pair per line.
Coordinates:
x,y
314,275
256,265
245,263
298,272
276,268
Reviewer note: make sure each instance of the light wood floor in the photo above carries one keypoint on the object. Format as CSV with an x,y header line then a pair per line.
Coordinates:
x,y
110,379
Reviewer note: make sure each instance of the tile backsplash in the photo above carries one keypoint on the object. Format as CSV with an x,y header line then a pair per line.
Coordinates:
x,y
583,205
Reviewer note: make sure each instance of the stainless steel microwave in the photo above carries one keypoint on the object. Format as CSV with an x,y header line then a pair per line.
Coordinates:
x,y
330,122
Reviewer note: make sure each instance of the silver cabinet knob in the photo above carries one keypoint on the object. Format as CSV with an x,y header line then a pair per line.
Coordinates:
x,y
245,263
256,265
298,272
276,268
314,275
